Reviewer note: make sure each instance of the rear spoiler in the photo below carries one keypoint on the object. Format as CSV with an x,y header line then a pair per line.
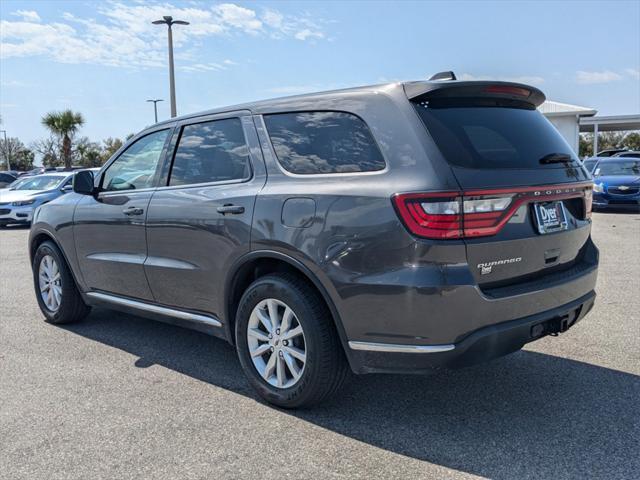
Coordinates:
x,y
420,91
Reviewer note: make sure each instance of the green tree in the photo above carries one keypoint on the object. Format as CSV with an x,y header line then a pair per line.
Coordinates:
x,y
9,151
64,124
632,141
49,151
87,153
585,145
110,146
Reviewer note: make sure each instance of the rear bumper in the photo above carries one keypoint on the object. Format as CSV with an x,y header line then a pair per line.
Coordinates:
x,y
484,344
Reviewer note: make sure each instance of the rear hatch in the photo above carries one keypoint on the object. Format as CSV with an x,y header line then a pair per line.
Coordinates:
x,y
524,203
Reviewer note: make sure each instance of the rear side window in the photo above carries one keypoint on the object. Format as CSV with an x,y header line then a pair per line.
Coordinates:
x,y
211,152
494,137
323,142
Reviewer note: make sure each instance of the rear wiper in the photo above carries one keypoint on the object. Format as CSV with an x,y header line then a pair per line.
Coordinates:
x,y
556,158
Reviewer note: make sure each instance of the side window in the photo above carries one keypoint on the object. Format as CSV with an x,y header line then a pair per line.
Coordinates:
x,y
211,152
323,142
135,168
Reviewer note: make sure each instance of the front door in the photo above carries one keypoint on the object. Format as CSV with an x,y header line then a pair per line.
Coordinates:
x,y
109,229
200,222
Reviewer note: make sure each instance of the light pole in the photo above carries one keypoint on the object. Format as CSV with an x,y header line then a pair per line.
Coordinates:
x,y
172,83
155,106
6,157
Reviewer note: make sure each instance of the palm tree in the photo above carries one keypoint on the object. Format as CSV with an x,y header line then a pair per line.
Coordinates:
x,y
64,124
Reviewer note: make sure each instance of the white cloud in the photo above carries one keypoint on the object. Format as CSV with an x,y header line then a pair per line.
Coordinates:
x,y
238,17
588,78
528,79
203,67
27,15
122,34
273,19
307,33
633,73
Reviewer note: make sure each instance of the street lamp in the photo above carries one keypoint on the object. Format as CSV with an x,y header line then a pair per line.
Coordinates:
x,y
172,83
155,106
6,157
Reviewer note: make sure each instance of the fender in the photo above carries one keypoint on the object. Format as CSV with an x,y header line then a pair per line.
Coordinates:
x,y
256,254
40,229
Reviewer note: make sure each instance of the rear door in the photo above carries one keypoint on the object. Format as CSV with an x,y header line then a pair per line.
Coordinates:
x,y
109,229
199,222
526,196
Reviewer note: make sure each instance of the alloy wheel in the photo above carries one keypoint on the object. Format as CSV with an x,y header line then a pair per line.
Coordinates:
x,y
50,283
276,343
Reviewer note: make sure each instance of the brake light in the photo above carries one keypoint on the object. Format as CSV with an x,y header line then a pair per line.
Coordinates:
x,y
508,90
476,213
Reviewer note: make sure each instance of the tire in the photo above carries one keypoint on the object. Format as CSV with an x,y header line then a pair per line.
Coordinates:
x,y
70,307
325,367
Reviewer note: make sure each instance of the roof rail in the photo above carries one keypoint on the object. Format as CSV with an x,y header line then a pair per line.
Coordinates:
x,y
443,76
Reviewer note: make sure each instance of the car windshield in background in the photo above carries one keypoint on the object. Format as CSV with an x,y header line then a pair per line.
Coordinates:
x,y
41,182
589,164
611,168
495,137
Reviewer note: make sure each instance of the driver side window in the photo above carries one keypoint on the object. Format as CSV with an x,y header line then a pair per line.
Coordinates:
x,y
135,168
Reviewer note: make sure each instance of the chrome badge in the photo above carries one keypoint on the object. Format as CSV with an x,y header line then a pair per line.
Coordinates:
x,y
487,267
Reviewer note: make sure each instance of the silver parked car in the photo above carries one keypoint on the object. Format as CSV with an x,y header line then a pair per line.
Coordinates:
x,y
18,202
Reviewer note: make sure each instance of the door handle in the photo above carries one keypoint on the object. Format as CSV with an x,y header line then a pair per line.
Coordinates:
x,y
133,211
233,209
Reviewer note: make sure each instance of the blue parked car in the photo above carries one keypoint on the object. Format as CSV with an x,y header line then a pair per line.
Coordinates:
x,y
616,183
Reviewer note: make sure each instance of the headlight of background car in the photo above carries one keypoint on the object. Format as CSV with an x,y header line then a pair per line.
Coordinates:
x,y
22,203
598,187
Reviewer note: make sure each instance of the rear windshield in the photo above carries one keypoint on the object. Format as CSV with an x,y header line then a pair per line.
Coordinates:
x,y
495,137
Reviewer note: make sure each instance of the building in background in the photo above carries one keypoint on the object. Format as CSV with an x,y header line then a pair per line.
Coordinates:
x,y
567,118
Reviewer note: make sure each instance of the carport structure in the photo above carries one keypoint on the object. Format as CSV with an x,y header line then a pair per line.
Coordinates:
x,y
614,123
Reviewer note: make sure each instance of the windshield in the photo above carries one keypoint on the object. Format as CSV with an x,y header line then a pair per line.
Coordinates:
x,y
589,164
41,182
609,168
495,137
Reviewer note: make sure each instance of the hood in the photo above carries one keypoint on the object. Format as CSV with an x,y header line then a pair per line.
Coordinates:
x,y
614,180
7,196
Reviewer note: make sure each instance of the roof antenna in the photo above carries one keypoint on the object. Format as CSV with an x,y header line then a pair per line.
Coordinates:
x,y
443,76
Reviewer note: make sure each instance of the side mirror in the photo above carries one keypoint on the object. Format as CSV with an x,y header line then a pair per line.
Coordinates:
x,y
83,183
67,188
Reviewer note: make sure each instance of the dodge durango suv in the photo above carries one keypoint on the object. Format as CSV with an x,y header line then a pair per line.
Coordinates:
x,y
406,228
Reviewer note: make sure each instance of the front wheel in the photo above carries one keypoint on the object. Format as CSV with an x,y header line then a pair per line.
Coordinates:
x,y
56,291
287,343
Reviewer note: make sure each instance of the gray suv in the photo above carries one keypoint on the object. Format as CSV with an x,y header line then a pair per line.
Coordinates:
x,y
405,228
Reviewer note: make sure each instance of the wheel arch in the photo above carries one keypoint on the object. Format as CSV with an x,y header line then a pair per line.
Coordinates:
x,y
37,238
259,263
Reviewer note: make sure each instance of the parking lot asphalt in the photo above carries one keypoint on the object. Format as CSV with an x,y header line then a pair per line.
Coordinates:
x,y
122,397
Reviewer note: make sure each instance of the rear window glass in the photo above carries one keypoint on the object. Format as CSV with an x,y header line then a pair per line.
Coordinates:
x,y
494,137
323,142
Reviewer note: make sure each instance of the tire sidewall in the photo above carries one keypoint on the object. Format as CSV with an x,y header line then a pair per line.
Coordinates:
x,y
47,248
273,287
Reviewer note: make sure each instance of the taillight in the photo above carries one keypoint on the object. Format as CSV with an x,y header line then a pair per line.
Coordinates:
x,y
588,202
477,213
434,215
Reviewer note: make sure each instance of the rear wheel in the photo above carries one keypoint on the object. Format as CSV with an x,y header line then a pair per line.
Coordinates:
x,y
287,343
56,291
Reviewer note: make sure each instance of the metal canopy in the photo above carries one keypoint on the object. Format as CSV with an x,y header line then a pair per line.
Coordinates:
x,y
613,123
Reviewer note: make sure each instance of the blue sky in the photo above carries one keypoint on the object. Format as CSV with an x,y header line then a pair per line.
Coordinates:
x,y
105,59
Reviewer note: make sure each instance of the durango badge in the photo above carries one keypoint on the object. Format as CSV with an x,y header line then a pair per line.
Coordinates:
x,y
485,268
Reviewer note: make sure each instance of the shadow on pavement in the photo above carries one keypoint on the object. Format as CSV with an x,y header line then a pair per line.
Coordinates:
x,y
529,415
